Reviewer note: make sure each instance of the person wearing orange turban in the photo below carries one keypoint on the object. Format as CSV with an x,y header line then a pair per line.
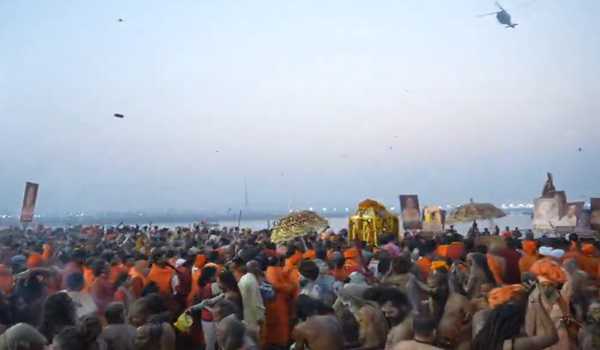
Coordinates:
x,y
589,261
548,270
502,295
549,275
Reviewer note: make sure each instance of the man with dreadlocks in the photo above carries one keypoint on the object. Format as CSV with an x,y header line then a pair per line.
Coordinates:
x,y
373,327
396,308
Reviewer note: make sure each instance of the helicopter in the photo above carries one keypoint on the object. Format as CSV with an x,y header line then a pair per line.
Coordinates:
x,y
502,16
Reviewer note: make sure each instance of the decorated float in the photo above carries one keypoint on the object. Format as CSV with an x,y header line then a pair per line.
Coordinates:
x,y
371,221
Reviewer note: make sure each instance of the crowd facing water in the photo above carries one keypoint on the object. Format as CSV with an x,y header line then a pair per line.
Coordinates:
x,y
147,288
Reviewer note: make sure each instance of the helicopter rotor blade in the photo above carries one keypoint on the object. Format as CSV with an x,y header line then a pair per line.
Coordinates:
x,y
488,14
500,6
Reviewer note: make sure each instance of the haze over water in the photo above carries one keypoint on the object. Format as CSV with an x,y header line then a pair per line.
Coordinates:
x,y
309,103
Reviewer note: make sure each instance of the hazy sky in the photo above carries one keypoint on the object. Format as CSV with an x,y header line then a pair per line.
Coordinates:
x,y
302,98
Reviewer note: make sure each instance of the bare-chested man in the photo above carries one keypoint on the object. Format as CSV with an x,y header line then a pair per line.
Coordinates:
x,y
373,326
454,329
397,310
424,336
231,335
319,329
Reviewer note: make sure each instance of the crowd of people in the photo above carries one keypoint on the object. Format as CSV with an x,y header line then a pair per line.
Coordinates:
x,y
147,288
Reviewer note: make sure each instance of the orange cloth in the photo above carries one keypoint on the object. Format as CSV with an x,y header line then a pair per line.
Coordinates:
x,y
496,269
424,264
439,264
293,261
588,249
195,290
548,269
526,261
89,278
6,280
353,260
278,310
138,280
310,254
352,253
340,274
502,295
531,256
442,250
34,260
291,267
456,250
200,261
47,252
590,265
529,247
162,277
116,271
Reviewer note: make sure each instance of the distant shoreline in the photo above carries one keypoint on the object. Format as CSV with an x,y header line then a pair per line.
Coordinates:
x,y
145,219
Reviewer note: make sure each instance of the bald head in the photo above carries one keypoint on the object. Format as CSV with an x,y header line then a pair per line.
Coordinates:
x,y
253,267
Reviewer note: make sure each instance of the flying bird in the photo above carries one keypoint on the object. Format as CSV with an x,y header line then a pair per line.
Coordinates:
x,y
120,20
117,115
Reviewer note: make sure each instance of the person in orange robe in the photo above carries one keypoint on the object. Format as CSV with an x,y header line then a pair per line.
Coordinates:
x,y
138,277
278,310
424,265
496,264
291,265
6,280
161,275
590,260
529,257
